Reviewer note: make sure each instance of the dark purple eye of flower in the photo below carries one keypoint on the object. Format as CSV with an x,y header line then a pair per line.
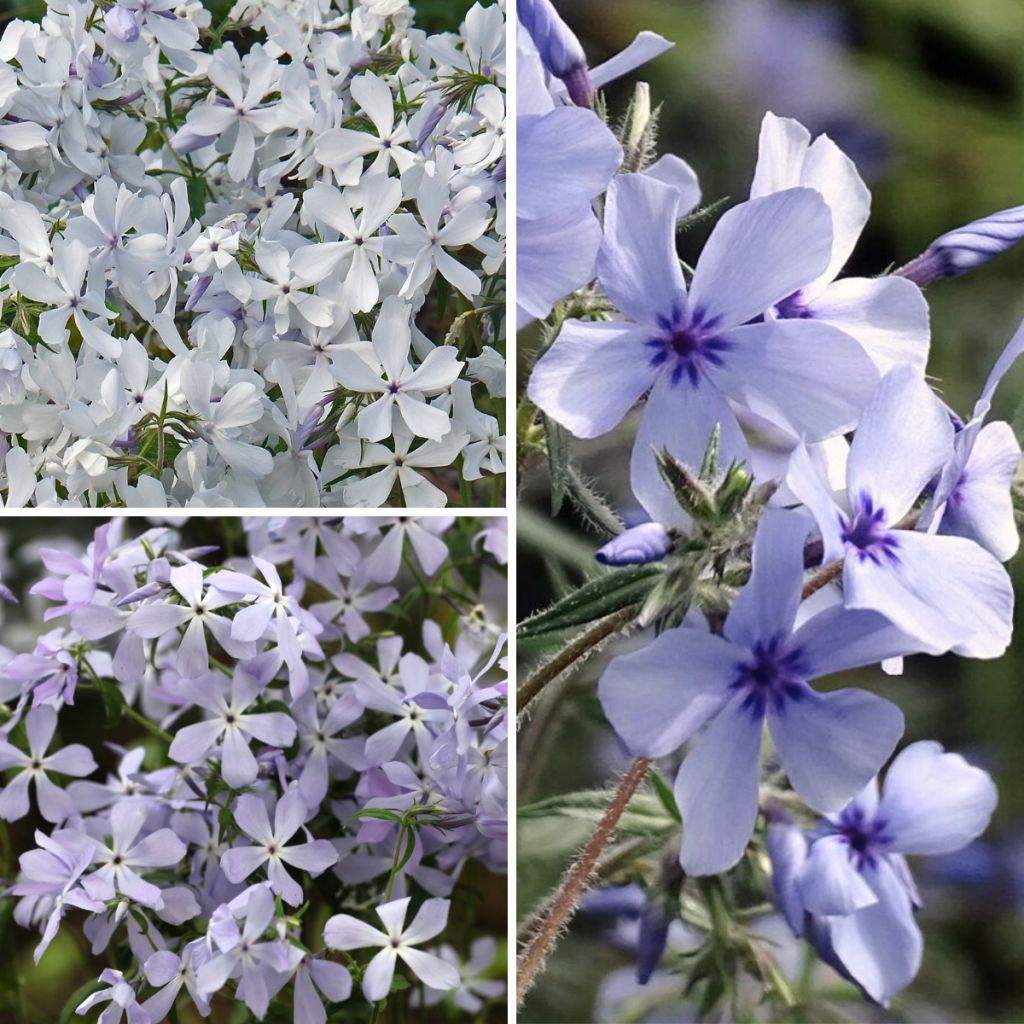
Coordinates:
x,y
687,345
774,672
863,835
866,530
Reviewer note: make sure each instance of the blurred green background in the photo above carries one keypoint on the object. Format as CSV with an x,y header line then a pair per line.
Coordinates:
x,y
928,97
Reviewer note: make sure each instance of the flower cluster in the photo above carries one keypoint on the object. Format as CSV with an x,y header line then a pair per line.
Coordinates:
x,y
326,752
258,263
812,507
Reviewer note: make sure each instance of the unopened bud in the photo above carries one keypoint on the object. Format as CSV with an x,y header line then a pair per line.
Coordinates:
x,y
640,115
560,51
966,248
122,24
648,542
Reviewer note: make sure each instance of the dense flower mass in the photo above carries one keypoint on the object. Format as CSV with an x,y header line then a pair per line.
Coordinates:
x,y
254,263
325,753
812,506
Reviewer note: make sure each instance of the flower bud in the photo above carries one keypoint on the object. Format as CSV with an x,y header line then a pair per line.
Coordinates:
x,y
640,115
122,24
966,248
654,926
560,51
648,542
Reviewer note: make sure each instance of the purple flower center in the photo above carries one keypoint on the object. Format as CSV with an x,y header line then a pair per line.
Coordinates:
x,y
867,532
686,345
773,672
866,837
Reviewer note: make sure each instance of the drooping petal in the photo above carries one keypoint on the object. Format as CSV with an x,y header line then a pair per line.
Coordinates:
x,y
377,979
904,439
554,257
592,375
716,791
880,945
555,177
237,763
829,883
759,253
947,593
638,266
54,803
935,802
857,729
981,505
658,696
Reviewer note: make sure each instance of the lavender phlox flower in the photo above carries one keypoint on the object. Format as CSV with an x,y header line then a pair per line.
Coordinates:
x,y
49,882
355,596
967,248
197,613
54,803
262,968
946,592
316,977
698,350
290,814
973,496
128,783
853,880
757,673
121,860
397,942
425,537
294,628
121,997
49,671
168,973
887,315
318,735
231,724
412,718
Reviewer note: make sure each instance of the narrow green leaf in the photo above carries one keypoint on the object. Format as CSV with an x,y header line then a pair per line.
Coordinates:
x,y
594,600
558,463
645,815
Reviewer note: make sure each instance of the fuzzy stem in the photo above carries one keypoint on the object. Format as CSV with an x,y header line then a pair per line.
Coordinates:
x,y
577,649
577,880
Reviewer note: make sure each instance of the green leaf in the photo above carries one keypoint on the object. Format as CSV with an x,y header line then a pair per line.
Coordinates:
x,y
594,600
558,463
399,984
645,815
664,793
113,699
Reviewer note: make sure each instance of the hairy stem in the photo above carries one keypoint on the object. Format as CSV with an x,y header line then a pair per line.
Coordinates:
x,y
566,900
572,653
